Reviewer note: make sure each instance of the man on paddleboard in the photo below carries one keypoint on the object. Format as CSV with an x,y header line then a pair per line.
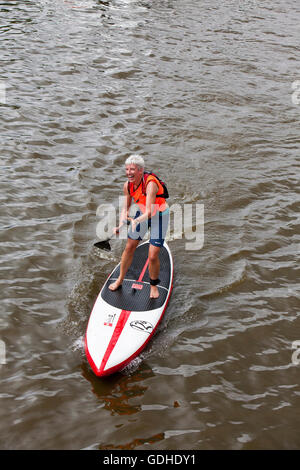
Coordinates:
x,y
148,192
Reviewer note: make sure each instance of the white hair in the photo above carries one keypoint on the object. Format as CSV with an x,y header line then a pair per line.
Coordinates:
x,y
135,160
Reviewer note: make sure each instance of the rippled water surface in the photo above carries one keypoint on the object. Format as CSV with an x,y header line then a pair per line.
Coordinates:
x,y
206,91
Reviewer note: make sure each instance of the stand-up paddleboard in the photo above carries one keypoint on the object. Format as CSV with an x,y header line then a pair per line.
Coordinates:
x,y
123,321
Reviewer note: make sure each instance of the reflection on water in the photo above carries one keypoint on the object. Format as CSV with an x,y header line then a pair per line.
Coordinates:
x,y
116,391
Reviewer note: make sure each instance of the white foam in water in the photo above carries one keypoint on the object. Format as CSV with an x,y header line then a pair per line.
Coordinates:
x,y
105,255
133,365
78,344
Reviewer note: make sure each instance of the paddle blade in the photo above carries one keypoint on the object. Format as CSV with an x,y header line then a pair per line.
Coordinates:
x,y
103,245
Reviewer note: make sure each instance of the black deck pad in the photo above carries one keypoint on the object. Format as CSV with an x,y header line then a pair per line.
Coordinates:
x,y
138,299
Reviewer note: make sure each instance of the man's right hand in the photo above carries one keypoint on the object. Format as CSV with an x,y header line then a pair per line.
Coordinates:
x,y
127,221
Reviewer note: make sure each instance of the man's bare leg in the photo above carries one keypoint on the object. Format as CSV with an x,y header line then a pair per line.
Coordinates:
x,y
126,261
154,268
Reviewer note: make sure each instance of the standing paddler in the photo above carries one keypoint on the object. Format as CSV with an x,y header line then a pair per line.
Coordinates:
x,y
149,193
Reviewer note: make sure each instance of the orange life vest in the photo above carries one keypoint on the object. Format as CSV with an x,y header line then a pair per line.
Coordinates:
x,y
139,195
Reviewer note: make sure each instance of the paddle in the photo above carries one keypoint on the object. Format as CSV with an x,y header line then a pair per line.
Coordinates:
x,y
104,244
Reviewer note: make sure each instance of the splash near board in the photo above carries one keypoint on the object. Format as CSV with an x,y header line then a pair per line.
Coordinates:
x,y
123,321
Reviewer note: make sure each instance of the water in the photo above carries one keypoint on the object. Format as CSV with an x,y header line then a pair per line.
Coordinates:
x,y
207,93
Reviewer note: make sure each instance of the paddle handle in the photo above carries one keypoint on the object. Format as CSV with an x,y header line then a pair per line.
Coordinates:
x,y
128,222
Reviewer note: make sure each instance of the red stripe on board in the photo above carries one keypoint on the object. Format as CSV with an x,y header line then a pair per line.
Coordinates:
x,y
143,271
115,336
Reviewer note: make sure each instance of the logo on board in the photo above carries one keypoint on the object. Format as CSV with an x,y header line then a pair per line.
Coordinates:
x,y
142,325
109,319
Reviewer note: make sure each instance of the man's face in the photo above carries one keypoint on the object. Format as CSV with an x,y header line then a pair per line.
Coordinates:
x,y
133,173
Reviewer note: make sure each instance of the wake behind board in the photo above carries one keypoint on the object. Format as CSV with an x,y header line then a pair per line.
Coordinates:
x,y
123,321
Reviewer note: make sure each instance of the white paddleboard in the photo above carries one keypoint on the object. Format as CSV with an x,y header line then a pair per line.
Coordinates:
x,y
123,321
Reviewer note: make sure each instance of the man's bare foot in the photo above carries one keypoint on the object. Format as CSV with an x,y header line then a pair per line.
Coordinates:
x,y
154,293
115,285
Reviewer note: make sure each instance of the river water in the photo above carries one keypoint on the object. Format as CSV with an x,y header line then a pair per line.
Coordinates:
x,y
207,92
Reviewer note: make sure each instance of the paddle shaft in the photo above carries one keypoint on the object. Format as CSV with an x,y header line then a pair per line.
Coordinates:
x,y
104,244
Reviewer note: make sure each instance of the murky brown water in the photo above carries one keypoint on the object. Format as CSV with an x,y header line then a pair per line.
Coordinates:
x,y
204,90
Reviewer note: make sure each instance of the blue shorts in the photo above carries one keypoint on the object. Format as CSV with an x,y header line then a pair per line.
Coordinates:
x,y
158,225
